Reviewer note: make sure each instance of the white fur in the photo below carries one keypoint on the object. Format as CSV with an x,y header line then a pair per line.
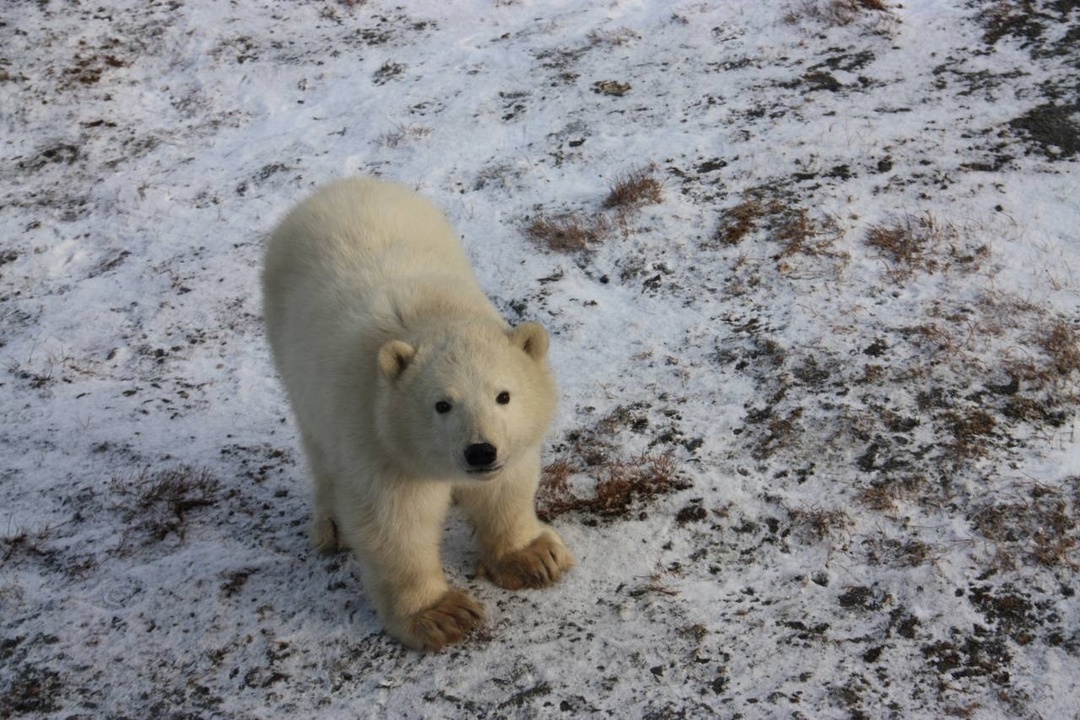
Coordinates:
x,y
374,316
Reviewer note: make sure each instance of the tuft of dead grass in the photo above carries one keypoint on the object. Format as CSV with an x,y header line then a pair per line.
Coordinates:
x,y
1061,343
30,690
634,189
580,231
402,133
906,244
882,550
23,541
923,243
801,234
970,431
387,72
37,379
740,220
624,483
612,38
158,503
798,232
567,232
783,432
1041,526
819,522
884,494
839,13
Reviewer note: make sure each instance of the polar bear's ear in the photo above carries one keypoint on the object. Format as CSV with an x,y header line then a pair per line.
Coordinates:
x,y
394,357
532,338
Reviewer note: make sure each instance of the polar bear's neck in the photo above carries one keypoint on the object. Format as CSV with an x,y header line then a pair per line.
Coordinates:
x,y
421,305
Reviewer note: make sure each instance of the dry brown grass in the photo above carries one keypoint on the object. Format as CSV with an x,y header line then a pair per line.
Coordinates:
x,y
387,72
401,133
884,494
23,541
1005,17
908,552
568,232
858,6
623,485
37,379
1037,351
1053,551
819,522
1044,362
158,504
740,220
839,12
1043,526
783,432
792,226
612,38
970,432
1061,343
801,234
923,243
906,245
635,188
580,231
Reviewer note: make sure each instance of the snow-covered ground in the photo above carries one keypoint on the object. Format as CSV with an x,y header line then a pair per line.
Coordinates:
x,y
816,450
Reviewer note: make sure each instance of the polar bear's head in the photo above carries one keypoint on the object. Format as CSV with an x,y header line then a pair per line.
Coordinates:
x,y
467,402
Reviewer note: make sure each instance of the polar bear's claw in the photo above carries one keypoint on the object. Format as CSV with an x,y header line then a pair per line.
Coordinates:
x,y
446,622
538,564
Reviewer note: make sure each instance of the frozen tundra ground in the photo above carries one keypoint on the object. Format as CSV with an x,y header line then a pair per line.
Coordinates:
x,y
811,270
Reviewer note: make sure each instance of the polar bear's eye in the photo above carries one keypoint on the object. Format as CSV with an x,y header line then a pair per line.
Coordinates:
x,y
442,407
503,398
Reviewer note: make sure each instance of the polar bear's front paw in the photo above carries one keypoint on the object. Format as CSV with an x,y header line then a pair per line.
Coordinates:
x,y
446,622
538,564
324,535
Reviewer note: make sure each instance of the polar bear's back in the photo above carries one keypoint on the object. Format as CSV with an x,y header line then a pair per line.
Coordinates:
x,y
361,234
360,251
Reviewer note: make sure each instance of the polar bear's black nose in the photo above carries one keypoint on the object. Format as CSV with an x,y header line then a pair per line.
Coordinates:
x,y
481,455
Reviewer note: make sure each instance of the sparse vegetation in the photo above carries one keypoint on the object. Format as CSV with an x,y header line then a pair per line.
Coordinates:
x,y
23,541
819,523
611,484
614,38
1040,525
387,72
909,245
800,234
1061,343
32,690
579,231
159,504
901,552
842,12
738,221
885,494
567,232
779,220
633,189
624,487
923,243
402,133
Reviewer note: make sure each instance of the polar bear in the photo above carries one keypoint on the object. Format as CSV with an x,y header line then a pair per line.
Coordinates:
x,y
410,391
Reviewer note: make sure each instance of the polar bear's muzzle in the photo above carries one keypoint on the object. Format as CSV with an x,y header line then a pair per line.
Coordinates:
x,y
482,458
